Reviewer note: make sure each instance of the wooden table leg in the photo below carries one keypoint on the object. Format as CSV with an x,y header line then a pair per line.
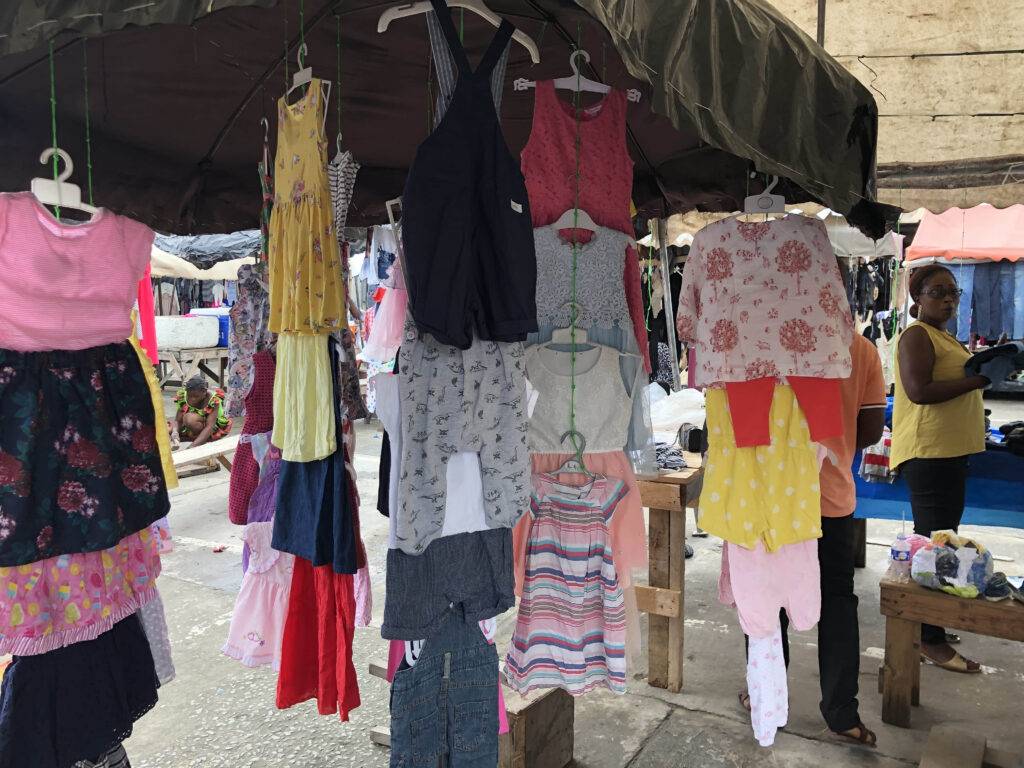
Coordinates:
x,y
676,580
915,688
902,670
658,538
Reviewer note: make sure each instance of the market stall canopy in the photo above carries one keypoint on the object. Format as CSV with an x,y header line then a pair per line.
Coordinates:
x,y
206,250
163,264
850,243
981,233
176,94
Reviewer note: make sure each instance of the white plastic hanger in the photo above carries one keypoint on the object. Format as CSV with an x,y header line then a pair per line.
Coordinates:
x,y
765,202
304,76
576,81
60,193
266,143
563,336
476,6
575,218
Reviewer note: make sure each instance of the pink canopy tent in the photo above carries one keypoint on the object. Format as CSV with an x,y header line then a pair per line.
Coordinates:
x,y
982,233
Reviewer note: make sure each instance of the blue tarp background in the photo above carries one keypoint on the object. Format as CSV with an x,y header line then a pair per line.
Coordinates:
x,y
995,492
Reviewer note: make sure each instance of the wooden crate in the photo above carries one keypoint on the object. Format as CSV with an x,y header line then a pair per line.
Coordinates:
x,y
540,730
540,727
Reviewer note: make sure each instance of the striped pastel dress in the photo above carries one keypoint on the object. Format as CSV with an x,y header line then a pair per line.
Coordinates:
x,y
571,628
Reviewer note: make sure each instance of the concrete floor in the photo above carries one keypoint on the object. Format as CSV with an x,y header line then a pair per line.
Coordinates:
x,y
218,713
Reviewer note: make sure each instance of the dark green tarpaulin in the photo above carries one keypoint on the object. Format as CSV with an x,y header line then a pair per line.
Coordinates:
x,y
177,90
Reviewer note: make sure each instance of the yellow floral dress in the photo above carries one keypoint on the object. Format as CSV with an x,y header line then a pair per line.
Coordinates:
x,y
307,293
767,493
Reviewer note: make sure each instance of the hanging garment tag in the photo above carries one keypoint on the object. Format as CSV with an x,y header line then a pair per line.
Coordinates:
x,y
517,207
412,651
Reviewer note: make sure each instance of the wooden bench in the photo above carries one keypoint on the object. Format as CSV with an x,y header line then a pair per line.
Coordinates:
x,y
667,495
179,365
207,453
906,607
951,747
540,727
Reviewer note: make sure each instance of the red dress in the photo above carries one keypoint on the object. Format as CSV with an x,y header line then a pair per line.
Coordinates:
x,y
606,176
316,649
259,417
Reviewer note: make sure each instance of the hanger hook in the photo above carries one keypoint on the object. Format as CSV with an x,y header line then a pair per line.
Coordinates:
x,y
69,166
266,129
774,180
572,59
303,52
580,440
337,142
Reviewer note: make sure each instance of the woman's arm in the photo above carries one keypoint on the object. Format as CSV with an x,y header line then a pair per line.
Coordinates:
x,y
204,436
916,361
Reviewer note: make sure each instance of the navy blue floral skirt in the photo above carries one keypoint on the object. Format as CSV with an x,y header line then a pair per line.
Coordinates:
x,y
79,463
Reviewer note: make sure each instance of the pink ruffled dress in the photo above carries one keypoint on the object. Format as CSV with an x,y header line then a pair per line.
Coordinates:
x,y
257,624
386,333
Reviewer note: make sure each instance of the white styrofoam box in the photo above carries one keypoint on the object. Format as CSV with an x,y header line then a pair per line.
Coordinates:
x,y
180,332
210,310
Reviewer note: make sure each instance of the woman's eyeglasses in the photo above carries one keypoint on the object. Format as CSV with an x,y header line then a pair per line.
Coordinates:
x,y
941,293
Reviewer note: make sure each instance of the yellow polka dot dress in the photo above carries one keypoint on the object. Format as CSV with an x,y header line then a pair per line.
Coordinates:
x,y
766,493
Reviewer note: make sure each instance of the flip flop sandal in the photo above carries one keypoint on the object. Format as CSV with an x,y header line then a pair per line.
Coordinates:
x,y
864,736
956,664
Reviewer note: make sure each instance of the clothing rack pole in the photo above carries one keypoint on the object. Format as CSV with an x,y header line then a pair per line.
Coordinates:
x,y
670,321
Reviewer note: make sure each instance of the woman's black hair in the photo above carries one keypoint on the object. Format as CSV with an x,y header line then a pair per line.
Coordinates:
x,y
919,277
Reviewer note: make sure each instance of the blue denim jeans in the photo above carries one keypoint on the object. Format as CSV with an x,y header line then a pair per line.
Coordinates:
x,y
444,709
961,324
1018,300
993,299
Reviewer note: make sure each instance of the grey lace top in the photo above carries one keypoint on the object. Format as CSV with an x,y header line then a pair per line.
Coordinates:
x,y
600,293
602,415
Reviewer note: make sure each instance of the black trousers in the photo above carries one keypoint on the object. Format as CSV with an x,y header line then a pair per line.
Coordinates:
x,y
937,493
838,628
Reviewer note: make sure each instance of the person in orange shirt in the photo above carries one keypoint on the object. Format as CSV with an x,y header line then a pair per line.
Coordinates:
x,y
863,404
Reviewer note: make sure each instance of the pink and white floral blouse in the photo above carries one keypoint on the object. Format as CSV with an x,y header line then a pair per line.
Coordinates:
x,y
765,298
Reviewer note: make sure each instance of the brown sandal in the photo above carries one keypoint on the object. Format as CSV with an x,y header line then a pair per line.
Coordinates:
x,y
862,736
956,663
744,698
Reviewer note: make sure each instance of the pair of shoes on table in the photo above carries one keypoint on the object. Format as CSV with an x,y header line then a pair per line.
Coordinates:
x,y
999,588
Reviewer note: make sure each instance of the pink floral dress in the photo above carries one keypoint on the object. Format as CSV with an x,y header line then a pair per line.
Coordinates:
x,y
765,299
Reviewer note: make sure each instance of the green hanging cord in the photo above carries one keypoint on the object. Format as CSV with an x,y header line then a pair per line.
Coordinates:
x,y
337,24
285,56
302,24
574,309
650,293
604,62
430,94
540,37
462,25
88,132
53,119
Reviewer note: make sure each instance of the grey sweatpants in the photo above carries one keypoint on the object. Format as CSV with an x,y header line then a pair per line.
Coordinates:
x,y
455,400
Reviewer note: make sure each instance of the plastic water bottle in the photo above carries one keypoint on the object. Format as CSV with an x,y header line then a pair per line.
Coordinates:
x,y
899,568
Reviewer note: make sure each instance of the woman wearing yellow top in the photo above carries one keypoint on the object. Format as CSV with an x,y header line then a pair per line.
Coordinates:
x,y
938,421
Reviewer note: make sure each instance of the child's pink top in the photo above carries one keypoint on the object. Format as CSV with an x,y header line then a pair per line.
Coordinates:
x,y
67,286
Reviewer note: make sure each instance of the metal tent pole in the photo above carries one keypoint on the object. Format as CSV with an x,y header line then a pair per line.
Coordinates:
x,y
670,321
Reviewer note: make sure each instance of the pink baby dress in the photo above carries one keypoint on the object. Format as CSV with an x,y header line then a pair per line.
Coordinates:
x,y
257,625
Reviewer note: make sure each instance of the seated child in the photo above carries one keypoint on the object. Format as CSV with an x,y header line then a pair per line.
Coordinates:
x,y
200,415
